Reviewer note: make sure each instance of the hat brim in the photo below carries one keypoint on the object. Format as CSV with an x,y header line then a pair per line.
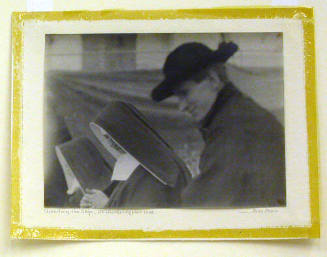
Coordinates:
x,y
167,87
164,90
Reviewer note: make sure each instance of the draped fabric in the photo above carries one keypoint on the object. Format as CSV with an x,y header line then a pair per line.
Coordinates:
x,y
75,98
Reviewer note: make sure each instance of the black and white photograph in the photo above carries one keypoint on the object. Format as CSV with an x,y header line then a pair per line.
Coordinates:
x,y
156,126
164,120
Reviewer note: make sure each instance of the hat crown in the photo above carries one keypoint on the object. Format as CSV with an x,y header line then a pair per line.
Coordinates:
x,y
186,58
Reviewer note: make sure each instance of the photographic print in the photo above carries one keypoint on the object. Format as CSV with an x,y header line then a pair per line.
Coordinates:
x,y
232,143
160,128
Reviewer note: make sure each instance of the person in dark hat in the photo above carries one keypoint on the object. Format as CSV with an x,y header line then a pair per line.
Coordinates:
x,y
147,172
243,161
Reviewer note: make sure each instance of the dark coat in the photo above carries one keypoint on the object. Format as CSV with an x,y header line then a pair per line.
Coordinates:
x,y
243,162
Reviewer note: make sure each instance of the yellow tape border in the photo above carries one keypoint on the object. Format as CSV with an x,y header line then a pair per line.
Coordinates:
x,y
305,14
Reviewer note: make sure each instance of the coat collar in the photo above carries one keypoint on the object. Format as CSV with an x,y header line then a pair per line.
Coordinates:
x,y
207,125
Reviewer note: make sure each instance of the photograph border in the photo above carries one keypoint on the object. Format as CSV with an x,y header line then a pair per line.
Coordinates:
x,y
304,14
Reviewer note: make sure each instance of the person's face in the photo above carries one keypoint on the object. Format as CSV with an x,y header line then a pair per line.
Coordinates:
x,y
196,97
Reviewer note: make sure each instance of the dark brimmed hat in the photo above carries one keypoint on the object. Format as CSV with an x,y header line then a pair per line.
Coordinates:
x,y
185,61
128,128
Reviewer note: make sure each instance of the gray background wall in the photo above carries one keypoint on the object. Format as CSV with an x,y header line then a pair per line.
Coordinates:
x,y
148,51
